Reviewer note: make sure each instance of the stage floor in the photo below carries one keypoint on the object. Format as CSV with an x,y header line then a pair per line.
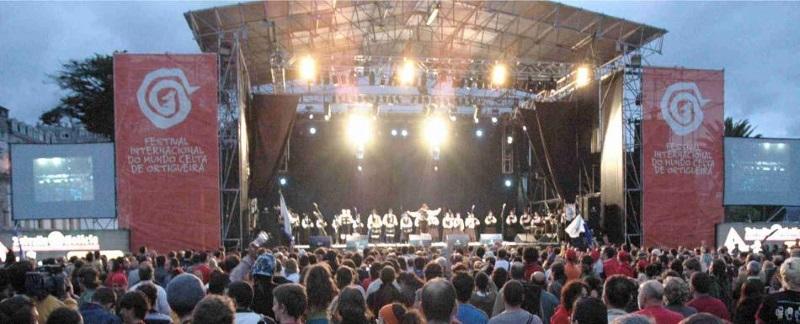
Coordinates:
x,y
436,245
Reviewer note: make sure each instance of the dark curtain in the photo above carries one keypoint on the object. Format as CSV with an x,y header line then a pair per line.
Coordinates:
x,y
561,137
269,123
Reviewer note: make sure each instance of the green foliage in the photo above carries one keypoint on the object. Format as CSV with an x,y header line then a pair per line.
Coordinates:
x,y
741,128
89,98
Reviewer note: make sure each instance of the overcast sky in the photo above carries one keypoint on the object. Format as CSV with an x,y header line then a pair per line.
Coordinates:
x,y
757,44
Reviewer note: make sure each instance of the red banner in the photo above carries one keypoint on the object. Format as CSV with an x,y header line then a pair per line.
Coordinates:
x,y
165,114
682,135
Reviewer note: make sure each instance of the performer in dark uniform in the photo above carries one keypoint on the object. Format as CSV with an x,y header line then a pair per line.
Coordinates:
x,y
305,226
406,227
490,223
374,224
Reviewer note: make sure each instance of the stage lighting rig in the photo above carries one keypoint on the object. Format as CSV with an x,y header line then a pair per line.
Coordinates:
x,y
479,133
312,130
282,181
507,183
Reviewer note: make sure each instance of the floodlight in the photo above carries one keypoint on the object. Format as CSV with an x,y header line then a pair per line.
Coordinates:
x,y
508,183
407,72
510,139
307,68
435,131
312,130
479,133
404,133
359,129
394,132
282,181
583,76
494,120
499,74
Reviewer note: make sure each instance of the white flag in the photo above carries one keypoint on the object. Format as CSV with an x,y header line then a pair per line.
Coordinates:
x,y
575,228
287,221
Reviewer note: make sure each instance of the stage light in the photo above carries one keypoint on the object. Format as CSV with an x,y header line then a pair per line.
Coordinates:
x,y
407,72
510,139
452,118
327,117
582,76
435,131
312,130
394,132
524,128
436,168
311,116
360,129
508,183
307,68
499,74
479,133
404,133
494,120
282,181
360,168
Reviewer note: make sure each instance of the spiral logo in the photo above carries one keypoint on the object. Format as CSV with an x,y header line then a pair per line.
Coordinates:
x,y
164,97
681,107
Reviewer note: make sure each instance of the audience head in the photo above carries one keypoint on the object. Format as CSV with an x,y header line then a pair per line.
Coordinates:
x,y
651,293
701,283
352,307
438,300
518,271
790,274
289,302
513,294
464,285
133,306
218,282
184,292
214,309
318,280
676,291
589,310
18,309
64,315
571,292
397,313
105,297
149,291
618,291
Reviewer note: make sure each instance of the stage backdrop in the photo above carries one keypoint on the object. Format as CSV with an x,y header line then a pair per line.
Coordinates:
x,y
682,135
165,111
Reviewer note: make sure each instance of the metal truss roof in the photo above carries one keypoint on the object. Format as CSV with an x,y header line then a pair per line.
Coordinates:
x,y
511,31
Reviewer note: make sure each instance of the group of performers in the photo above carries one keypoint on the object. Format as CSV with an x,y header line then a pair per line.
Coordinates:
x,y
389,228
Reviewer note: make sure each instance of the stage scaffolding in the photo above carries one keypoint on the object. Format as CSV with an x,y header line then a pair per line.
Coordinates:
x,y
543,41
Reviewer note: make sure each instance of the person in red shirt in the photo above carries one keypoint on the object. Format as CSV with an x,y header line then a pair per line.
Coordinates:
x,y
704,303
610,265
624,265
531,257
201,269
572,268
651,304
569,294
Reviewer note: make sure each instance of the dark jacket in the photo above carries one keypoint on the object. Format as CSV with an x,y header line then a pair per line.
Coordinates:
x,y
93,313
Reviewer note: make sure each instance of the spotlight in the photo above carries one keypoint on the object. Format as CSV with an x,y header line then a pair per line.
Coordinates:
x,y
436,168
494,120
311,116
359,129
435,131
312,130
452,118
327,117
407,72
394,132
282,181
510,139
508,183
360,168
307,68
499,74
524,128
582,76
404,133
479,133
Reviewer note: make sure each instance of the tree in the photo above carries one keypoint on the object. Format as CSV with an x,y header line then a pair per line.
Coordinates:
x,y
741,128
89,98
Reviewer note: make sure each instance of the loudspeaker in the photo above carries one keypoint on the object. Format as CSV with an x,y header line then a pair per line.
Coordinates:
x,y
457,240
320,241
525,238
419,240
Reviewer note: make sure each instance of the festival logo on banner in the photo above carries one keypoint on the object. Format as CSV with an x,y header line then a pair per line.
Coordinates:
x,y
167,149
682,136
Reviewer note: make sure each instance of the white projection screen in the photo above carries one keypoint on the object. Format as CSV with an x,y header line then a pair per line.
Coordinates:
x,y
52,181
762,171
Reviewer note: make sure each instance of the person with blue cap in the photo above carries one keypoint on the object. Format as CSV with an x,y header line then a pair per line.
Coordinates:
x,y
263,270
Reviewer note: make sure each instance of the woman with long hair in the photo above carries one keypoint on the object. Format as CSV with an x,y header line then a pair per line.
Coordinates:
x,y
749,301
352,308
321,291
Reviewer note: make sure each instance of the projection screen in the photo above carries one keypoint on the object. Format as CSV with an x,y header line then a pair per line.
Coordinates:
x,y
762,171
51,181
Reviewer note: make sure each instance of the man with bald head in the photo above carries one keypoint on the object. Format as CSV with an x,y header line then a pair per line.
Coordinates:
x,y
651,304
438,301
